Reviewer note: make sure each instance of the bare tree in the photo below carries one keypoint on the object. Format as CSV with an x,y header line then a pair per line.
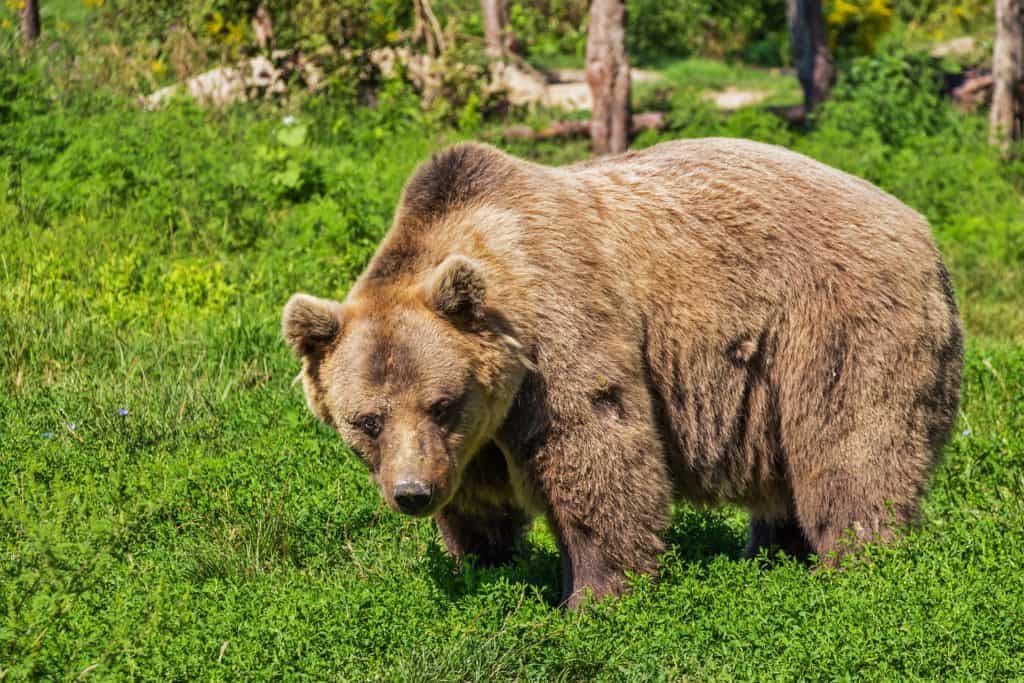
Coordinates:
x,y
809,40
30,21
427,29
263,27
1008,73
496,35
607,75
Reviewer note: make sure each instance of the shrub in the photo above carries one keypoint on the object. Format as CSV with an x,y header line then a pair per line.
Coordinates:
x,y
893,95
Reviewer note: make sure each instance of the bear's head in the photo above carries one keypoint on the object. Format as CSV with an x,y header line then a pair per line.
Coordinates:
x,y
415,379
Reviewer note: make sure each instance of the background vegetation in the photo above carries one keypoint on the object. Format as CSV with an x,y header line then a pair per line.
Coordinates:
x,y
170,510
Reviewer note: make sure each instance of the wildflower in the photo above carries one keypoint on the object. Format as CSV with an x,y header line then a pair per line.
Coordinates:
x,y
215,24
47,435
123,412
289,120
6,23
157,66
966,432
72,426
235,34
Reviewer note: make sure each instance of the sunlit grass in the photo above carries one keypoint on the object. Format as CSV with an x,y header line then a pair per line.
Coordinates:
x,y
197,523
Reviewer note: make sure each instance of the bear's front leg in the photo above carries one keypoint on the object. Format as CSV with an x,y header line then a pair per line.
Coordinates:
x,y
490,533
483,518
608,493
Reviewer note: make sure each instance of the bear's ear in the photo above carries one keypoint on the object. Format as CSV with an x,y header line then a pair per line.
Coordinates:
x,y
309,324
457,290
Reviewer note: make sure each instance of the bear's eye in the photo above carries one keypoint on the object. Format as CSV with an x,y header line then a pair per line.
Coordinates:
x,y
441,410
371,425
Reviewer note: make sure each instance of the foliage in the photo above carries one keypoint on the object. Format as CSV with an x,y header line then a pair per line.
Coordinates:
x,y
940,19
857,25
546,30
712,28
894,95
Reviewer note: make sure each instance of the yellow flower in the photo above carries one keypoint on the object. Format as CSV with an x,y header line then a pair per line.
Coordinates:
x,y
6,23
880,8
235,34
16,5
215,24
157,66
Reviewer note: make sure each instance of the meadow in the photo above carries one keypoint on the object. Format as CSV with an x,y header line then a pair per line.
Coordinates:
x,y
170,510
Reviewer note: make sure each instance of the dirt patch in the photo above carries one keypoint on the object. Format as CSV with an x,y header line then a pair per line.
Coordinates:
x,y
733,98
567,88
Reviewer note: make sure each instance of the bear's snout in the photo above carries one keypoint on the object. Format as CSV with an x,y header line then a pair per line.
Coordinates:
x,y
412,497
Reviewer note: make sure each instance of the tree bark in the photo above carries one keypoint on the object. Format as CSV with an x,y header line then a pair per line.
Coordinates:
x,y
30,21
496,36
263,27
607,73
1007,73
809,41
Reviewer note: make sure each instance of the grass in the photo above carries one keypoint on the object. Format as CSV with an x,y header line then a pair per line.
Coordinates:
x,y
700,75
216,531
707,74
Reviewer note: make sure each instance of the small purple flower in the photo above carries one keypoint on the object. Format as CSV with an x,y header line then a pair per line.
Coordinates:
x,y
966,432
47,435
123,412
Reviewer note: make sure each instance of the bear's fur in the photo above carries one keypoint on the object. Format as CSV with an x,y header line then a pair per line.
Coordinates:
x,y
710,320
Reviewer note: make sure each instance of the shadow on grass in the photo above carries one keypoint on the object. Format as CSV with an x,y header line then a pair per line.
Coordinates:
x,y
699,536
695,536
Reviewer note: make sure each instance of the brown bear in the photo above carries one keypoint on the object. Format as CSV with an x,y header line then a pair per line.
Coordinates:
x,y
717,320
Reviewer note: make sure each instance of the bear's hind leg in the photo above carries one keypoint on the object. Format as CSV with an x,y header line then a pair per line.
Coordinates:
x,y
838,511
773,535
862,424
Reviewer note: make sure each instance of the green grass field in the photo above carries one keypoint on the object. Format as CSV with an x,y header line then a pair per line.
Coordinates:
x,y
171,511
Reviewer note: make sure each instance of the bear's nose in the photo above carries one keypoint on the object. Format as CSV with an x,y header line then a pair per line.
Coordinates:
x,y
412,496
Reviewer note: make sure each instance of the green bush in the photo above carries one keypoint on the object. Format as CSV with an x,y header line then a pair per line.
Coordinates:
x,y
895,96
713,28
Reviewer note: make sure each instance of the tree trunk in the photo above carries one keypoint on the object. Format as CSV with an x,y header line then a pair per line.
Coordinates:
x,y
496,34
607,75
809,41
263,28
1007,66
30,21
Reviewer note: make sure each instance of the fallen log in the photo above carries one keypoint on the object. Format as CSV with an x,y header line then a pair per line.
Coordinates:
x,y
652,120
971,89
973,93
